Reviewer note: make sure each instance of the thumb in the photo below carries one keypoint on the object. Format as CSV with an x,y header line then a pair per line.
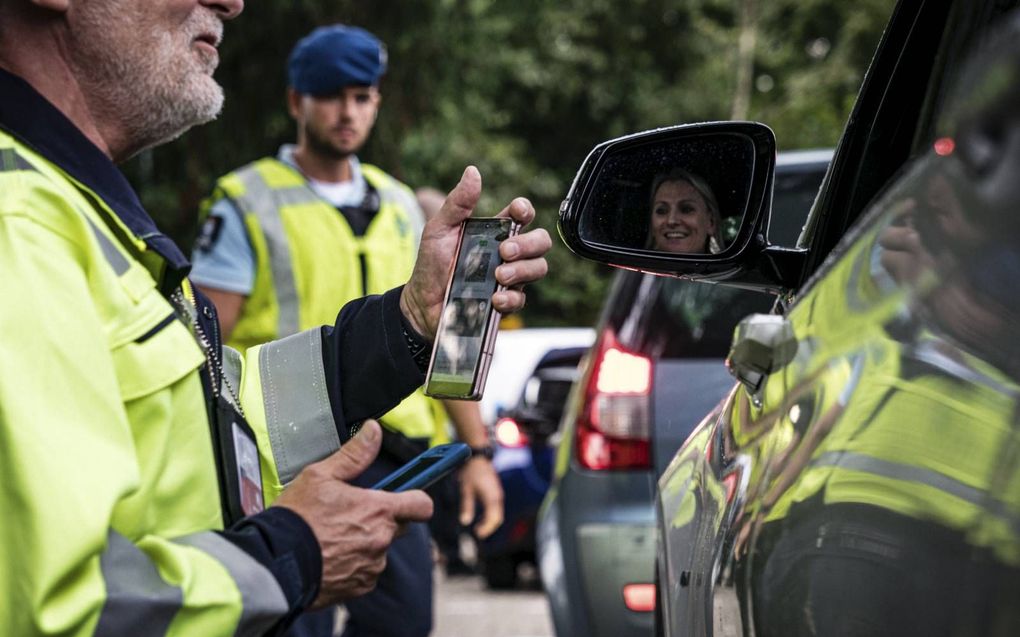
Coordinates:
x,y
463,198
359,452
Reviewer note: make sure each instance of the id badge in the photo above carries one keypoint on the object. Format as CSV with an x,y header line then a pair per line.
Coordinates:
x,y
240,473
249,476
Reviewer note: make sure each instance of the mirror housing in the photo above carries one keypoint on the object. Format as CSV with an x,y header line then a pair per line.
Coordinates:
x,y
762,344
746,260
543,402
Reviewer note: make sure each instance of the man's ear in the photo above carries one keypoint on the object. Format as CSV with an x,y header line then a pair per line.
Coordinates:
x,y
60,6
377,98
293,103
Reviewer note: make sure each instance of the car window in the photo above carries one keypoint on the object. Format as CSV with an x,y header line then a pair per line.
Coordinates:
x,y
795,191
964,29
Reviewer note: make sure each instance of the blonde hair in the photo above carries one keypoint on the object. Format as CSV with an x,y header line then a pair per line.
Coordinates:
x,y
703,189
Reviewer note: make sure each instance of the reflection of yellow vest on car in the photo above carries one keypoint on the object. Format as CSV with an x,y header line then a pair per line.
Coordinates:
x,y
309,263
929,433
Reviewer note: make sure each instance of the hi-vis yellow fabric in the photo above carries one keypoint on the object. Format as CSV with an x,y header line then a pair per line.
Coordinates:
x,y
309,263
108,483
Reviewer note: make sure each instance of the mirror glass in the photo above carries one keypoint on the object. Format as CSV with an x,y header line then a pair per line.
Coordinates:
x,y
685,196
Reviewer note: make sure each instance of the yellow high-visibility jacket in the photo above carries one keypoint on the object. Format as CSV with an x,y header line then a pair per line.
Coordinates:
x,y
110,491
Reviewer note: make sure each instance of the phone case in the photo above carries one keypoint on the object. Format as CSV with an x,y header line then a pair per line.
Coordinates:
x,y
477,386
427,469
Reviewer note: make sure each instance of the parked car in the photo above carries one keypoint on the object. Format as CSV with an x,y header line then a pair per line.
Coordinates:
x,y
863,475
656,368
523,461
514,357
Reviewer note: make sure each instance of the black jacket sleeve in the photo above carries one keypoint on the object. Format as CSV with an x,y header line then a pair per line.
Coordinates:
x,y
369,368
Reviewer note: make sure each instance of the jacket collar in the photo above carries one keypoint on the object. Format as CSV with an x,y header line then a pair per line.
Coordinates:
x,y
35,122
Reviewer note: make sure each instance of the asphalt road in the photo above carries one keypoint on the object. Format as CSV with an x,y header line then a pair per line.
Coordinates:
x,y
464,608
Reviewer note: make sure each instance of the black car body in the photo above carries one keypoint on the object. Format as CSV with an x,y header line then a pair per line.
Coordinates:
x,y
597,533
863,478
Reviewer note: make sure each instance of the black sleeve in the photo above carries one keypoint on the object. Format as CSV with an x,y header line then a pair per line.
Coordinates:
x,y
282,541
369,367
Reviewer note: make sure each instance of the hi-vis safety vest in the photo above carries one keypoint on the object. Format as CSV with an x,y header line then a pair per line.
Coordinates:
x,y
110,487
309,263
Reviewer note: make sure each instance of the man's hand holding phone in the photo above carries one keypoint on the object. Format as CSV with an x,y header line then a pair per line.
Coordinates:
x,y
523,256
354,527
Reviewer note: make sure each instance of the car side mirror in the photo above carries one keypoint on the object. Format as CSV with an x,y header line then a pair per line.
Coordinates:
x,y
543,401
689,201
762,344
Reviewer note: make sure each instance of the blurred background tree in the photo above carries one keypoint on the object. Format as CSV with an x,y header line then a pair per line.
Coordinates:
x,y
525,89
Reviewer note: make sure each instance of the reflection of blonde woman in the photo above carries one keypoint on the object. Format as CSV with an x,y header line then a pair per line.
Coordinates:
x,y
685,214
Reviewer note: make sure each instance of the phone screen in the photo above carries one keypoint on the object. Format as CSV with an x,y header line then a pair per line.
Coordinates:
x,y
463,339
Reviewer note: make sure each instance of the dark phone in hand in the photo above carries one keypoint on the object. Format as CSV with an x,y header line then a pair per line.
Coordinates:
x,y
427,469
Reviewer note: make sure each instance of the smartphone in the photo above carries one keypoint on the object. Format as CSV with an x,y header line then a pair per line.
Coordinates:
x,y
426,469
468,324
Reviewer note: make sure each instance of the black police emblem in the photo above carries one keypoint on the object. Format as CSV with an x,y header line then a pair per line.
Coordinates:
x,y
209,234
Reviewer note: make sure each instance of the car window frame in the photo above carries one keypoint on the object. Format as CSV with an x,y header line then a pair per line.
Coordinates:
x,y
963,22
866,160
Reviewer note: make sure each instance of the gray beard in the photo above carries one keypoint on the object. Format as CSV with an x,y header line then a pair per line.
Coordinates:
x,y
148,97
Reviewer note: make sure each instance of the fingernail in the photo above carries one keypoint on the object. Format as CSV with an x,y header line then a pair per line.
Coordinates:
x,y
368,434
506,272
500,299
511,250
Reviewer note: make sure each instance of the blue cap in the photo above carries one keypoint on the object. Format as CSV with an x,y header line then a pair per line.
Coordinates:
x,y
333,57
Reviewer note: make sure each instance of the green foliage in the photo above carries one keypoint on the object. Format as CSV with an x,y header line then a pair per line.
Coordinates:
x,y
523,90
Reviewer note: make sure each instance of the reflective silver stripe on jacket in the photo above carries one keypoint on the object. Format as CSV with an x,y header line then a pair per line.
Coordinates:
x,y
265,203
138,600
263,603
980,498
393,193
10,161
113,256
298,414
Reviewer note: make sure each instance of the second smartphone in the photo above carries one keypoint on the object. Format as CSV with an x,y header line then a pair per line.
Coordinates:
x,y
468,325
426,469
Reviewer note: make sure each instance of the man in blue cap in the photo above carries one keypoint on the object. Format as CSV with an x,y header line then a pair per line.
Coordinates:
x,y
288,239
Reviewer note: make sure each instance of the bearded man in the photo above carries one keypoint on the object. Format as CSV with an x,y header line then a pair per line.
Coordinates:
x,y
144,465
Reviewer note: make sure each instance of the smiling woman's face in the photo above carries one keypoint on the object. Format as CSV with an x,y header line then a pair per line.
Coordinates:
x,y
681,221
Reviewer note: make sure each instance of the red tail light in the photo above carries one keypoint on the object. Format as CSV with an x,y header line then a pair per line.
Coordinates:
x,y
639,597
612,426
509,434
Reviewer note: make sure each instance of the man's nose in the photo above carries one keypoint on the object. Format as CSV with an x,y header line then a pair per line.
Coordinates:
x,y
225,9
346,106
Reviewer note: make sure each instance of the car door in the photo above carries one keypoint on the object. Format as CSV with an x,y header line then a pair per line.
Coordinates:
x,y
870,487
